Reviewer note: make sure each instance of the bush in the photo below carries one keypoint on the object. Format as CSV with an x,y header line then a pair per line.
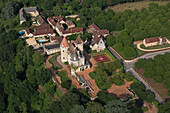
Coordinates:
x,y
66,63
66,84
129,77
118,80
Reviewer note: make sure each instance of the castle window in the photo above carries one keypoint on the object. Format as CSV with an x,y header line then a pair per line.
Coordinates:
x,y
63,57
63,50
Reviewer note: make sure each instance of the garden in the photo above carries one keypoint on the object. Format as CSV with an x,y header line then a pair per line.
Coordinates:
x,y
102,58
54,63
65,80
104,76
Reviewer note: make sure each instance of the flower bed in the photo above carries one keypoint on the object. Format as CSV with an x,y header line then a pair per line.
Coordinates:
x,y
102,58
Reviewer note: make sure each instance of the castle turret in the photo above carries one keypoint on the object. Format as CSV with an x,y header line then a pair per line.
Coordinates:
x,y
64,50
79,43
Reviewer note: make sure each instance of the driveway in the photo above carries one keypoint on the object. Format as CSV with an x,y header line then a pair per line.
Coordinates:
x,y
138,46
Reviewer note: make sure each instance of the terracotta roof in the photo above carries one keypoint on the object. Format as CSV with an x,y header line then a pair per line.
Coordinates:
x,y
73,30
40,20
94,26
96,39
57,39
155,39
52,21
64,42
58,18
69,23
43,29
28,31
103,32
42,32
78,40
44,26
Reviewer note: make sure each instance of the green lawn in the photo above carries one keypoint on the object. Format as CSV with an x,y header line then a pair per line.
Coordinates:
x,y
139,51
94,53
63,76
111,56
54,62
155,47
58,93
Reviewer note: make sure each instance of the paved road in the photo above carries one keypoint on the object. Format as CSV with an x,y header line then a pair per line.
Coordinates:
x,y
129,64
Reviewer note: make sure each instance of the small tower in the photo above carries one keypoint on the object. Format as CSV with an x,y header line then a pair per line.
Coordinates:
x,y
64,50
79,43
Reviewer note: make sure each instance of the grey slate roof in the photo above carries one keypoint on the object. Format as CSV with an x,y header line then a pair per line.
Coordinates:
x,y
52,46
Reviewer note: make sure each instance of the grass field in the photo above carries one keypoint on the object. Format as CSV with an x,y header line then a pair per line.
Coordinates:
x,y
139,51
135,5
63,75
54,62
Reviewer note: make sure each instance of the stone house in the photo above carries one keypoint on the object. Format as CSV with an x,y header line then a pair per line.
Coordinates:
x,y
27,10
43,30
57,24
98,43
41,21
154,41
51,48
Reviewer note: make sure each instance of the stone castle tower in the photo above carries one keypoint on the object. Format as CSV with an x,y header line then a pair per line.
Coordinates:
x,y
64,50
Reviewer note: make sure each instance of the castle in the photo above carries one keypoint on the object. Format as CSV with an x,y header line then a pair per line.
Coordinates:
x,y
73,53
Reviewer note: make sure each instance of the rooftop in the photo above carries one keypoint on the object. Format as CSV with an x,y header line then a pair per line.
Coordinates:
x,y
52,46
155,39
64,42
78,40
41,20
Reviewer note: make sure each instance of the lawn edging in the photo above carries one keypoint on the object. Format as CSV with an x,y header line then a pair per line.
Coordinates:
x,y
110,55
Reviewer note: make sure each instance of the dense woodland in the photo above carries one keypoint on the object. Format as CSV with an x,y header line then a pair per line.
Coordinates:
x,y
157,68
22,70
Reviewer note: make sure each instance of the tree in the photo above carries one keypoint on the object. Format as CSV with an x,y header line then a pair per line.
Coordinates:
x,y
68,101
66,84
150,97
94,107
116,106
2,103
9,10
78,109
37,59
164,108
130,52
105,97
158,79
110,40
140,63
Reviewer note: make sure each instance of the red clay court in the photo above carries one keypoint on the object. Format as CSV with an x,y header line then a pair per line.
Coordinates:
x,y
102,58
